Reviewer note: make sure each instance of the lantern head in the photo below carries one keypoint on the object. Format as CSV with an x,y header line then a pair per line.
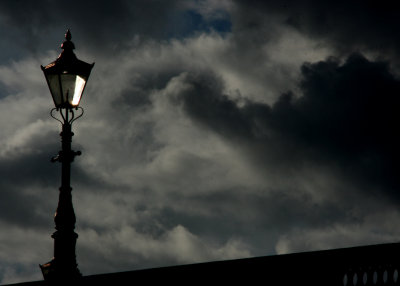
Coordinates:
x,y
67,76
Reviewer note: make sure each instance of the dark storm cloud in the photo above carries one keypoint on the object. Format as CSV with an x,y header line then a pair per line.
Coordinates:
x,y
19,176
29,182
154,188
347,25
346,119
257,217
205,103
101,26
347,116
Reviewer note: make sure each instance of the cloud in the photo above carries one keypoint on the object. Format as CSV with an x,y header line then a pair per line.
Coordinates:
x,y
129,176
375,227
178,156
345,118
347,26
320,156
217,130
18,261
103,27
97,20
138,250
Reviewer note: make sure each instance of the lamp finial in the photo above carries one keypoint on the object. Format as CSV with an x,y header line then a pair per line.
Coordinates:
x,y
68,45
68,35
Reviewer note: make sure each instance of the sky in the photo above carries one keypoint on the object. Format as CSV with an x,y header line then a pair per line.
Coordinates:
x,y
213,130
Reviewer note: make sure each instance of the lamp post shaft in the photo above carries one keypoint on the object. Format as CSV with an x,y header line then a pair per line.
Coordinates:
x,y
63,267
65,236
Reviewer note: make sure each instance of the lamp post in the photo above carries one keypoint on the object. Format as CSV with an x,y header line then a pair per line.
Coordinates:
x,y
66,77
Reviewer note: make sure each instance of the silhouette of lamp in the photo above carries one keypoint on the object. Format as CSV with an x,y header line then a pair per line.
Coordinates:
x,y
66,77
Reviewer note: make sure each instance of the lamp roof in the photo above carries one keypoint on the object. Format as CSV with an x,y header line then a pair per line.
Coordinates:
x,y
67,62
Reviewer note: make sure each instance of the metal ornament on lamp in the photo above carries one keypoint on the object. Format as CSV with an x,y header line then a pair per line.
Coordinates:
x,y
66,77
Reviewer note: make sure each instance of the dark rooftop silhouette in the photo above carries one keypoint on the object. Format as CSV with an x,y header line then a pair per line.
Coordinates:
x,y
363,265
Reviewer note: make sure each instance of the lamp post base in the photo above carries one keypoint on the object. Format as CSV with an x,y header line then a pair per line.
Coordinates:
x,y
63,266
53,271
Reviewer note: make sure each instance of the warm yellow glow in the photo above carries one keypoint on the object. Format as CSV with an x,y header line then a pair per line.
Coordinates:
x,y
79,85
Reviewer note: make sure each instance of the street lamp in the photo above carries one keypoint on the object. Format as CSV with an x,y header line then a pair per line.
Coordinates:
x,y
66,77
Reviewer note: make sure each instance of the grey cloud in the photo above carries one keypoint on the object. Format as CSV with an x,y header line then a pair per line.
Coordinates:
x,y
175,145
344,234
345,119
259,217
101,27
205,103
328,156
25,181
347,25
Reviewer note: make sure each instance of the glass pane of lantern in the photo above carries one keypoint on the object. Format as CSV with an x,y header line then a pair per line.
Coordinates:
x,y
54,84
79,85
72,88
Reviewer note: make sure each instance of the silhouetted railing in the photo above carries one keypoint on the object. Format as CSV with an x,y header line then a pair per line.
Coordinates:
x,y
373,265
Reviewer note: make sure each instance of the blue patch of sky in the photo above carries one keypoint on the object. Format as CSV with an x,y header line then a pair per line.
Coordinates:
x,y
191,22
3,91
198,23
10,51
